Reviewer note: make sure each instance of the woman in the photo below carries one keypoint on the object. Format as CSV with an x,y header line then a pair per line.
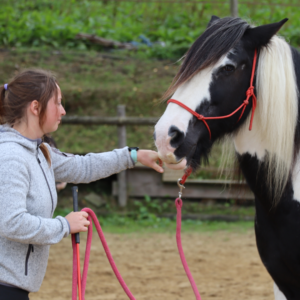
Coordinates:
x,y
30,107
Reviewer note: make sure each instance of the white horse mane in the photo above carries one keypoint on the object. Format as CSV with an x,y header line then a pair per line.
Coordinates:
x,y
276,114
277,110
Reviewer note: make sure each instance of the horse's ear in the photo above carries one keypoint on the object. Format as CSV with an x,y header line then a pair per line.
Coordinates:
x,y
213,19
261,35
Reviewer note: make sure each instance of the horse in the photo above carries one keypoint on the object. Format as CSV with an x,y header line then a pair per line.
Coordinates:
x,y
235,74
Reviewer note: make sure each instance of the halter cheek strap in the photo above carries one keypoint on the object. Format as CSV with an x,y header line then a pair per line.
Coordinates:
x,y
249,93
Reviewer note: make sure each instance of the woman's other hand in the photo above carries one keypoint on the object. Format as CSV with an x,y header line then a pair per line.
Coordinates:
x,y
78,221
150,158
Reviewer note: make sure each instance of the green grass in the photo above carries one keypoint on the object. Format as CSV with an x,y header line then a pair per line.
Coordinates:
x,y
166,225
119,224
52,24
150,208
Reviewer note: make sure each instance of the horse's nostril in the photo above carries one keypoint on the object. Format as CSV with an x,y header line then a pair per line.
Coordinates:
x,y
177,136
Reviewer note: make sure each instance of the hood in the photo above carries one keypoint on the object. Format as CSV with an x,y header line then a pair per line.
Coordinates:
x,y
10,135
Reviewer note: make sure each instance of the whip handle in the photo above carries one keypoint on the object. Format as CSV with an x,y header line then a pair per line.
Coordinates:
x,y
75,208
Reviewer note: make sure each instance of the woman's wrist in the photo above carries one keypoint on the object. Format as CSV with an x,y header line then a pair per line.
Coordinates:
x,y
134,153
134,156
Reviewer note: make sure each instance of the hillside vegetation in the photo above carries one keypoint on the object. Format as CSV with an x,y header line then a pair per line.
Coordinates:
x,y
176,24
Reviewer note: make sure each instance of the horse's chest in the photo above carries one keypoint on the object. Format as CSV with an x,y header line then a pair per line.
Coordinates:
x,y
277,235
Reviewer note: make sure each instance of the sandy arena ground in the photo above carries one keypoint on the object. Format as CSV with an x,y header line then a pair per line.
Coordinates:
x,y
225,265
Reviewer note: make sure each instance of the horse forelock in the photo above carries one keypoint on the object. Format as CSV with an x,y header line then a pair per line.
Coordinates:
x,y
216,41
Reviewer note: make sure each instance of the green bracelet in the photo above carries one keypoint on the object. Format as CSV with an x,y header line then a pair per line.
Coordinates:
x,y
133,154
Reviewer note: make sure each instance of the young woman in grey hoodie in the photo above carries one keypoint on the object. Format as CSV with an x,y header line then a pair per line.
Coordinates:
x,y
30,107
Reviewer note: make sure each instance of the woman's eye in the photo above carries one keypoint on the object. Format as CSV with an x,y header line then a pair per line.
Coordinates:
x,y
228,68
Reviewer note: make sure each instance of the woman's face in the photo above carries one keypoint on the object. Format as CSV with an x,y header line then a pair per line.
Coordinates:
x,y
54,113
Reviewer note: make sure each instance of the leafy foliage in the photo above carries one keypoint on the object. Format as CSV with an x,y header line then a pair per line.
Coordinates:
x,y
54,24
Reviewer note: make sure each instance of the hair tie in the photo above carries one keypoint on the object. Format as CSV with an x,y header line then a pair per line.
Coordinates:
x,y
5,86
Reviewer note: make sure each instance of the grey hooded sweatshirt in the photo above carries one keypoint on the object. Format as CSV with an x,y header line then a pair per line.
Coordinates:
x,y
28,198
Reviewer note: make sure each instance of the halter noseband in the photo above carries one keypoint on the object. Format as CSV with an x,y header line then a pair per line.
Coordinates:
x,y
249,93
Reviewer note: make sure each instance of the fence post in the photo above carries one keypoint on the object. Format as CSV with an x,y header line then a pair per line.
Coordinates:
x,y
122,187
234,8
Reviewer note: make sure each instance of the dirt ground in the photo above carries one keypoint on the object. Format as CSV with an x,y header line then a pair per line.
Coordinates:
x,y
225,265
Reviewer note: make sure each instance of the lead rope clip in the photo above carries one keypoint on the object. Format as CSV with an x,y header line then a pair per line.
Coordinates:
x,y
181,187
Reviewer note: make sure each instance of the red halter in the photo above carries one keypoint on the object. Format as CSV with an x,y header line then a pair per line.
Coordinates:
x,y
249,93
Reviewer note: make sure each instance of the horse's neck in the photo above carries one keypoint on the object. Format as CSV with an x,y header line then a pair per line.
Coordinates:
x,y
251,146
296,167
250,149
251,142
296,59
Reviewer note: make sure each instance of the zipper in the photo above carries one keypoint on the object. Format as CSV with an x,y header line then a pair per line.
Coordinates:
x,y
30,249
52,202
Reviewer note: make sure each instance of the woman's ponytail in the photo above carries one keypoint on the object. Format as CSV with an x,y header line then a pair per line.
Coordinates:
x,y
46,153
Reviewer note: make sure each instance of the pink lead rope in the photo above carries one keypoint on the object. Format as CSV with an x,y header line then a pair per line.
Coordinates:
x,y
92,218
178,203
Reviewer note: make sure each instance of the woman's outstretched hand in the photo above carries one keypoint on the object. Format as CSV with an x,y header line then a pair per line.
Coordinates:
x,y
150,158
78,221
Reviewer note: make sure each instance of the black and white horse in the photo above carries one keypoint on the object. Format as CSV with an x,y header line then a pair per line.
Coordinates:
x,y
212,81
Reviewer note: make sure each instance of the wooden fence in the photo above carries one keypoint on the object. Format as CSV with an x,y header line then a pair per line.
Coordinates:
x,y
121,121
142,181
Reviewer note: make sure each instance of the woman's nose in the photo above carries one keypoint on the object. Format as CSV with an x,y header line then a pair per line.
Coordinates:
x,y
63,112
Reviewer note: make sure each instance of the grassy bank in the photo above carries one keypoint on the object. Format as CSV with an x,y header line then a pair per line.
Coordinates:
x,y
53,24
94,84
166,225
119,224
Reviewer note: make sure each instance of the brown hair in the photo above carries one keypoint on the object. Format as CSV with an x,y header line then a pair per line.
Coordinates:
x,y
28,85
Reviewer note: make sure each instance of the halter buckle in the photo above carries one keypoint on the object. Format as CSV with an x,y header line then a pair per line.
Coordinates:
x,y
181,187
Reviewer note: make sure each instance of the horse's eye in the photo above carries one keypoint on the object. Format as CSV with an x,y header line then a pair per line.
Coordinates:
x,y
228,69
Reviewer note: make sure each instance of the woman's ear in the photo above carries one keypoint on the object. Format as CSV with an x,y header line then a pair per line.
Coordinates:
x,y
34,108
